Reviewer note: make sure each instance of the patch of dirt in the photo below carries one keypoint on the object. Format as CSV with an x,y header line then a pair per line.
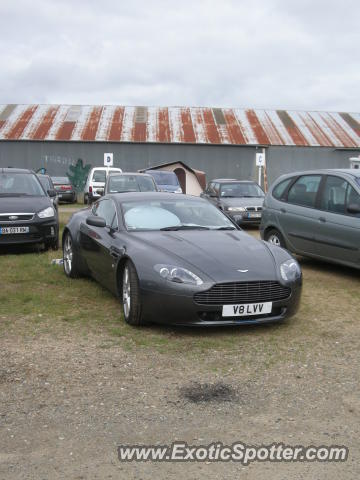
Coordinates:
x,y
207,392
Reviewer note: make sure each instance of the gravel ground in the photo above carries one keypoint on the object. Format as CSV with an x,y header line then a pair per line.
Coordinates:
x,y
67,403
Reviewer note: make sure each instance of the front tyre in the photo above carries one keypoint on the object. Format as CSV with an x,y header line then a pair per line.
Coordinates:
x,y
274,237
70,259
131,300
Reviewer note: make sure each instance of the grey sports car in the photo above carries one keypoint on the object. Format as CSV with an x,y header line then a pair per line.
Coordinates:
x,y
180,260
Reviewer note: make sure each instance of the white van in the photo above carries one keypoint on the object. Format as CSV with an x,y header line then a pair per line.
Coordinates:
x,y
95,183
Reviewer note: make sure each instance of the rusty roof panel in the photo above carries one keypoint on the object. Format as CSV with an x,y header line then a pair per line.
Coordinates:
x,y
92,124
115,123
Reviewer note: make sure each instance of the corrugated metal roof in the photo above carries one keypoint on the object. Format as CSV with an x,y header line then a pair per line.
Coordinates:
x,y
216,126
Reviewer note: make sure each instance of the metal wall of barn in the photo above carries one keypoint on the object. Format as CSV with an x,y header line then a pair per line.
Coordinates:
x,y
215,161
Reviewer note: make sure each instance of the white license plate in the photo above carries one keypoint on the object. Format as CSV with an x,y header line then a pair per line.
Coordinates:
x,y
12,230
254,215
247,309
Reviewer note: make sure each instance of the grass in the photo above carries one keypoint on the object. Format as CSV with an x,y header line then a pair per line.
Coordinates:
x,y
36,298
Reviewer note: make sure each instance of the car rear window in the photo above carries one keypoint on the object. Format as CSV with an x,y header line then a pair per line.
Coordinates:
x,y
61,180
99,176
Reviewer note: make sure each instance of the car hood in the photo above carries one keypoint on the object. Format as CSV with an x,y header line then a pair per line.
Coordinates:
x,y
242,201
219,254
24,204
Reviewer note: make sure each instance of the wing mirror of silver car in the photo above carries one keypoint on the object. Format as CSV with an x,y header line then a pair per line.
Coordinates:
x,y
353,208
52,193
96,221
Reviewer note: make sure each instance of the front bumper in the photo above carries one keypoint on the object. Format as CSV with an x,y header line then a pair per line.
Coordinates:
x,y
244,219
177,309
40,231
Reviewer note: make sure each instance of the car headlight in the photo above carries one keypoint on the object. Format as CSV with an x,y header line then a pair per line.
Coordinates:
x,y
47,213
178,274
290,270
235,209
178,190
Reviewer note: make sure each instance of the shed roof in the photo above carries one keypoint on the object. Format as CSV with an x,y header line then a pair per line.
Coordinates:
x,y
195,125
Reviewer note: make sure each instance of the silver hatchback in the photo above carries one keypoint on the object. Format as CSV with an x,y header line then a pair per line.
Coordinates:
x,y
315,214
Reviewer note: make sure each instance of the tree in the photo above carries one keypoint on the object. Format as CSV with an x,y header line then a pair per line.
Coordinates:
x,y
78,174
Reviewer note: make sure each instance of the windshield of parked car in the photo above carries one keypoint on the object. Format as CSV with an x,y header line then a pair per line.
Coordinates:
x,y
165,178
240,190
130,183
61,180
20,184
99,176
174,215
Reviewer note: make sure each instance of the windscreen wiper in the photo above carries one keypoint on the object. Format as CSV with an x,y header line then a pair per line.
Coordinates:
x,y
184,227
225,228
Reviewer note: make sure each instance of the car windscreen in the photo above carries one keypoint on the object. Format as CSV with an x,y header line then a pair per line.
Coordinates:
x,y
19,184
240,190
130,183
165,178
99,176
174,215
61,180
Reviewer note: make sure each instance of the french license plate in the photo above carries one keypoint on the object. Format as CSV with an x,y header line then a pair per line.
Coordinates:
x,y
12,230
247,309
254,215
59,195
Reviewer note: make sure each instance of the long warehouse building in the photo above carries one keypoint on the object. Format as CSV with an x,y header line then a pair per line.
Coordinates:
x,y
222,142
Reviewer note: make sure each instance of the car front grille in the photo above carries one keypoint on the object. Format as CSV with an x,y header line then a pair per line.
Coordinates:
x,y
16,217
253,209
243,292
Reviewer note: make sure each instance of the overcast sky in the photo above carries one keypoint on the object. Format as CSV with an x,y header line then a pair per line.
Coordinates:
x,y
232,53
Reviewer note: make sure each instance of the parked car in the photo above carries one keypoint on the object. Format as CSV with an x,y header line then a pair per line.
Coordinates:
x,y
95,183
48,185
180,260
65,191
129,182
316,214
166,181
242,200
27,214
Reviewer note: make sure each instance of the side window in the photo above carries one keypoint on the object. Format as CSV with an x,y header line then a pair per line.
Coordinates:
x,y
211,190
280,189
304,190
106,209
216,188
333,198
353,199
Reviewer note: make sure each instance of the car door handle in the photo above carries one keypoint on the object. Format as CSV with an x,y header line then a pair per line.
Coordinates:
x,y
282,210
322,219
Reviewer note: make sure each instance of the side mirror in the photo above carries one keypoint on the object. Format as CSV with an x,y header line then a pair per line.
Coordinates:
x,y
96,221
353,208
52,193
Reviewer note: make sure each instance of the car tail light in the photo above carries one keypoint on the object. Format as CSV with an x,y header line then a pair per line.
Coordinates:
x,y
65,187
90,189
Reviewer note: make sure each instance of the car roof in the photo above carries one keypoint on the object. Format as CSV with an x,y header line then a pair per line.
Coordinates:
x,y
160,171
43,175
15,170
231,180
122,174
138,196
354,172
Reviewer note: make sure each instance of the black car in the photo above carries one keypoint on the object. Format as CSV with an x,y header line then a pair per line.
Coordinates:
x,y
27,215
65,191
129,182
242,200
177,259
48,186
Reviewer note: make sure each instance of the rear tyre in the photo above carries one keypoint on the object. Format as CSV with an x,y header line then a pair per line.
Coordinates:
x,y
131,301
70,259
274,237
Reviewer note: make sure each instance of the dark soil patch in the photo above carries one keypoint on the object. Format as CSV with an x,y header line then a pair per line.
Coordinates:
x,y
208,392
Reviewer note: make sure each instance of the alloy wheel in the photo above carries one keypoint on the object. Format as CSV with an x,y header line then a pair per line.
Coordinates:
x,y
68,254
126,287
